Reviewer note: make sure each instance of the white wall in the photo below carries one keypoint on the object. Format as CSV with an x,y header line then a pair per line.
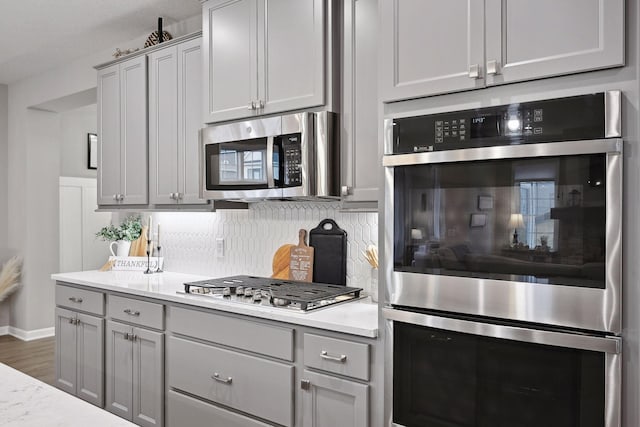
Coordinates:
x,y
4,306
34,167
75,125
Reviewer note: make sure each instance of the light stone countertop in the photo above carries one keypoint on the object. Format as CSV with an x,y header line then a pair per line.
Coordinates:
x,y
356,317
28,402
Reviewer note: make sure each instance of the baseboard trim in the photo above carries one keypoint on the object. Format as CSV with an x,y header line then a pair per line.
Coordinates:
x,y
23,335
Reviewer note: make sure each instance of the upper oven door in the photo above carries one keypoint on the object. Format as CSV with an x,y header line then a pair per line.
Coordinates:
x,y
524,232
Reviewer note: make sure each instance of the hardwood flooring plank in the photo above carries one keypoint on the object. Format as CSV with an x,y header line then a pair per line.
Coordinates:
x,y
34,358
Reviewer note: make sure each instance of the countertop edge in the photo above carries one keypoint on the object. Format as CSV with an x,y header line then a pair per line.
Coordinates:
x,y
301,319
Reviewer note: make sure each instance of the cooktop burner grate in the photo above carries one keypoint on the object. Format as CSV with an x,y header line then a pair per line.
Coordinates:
x,y
290,294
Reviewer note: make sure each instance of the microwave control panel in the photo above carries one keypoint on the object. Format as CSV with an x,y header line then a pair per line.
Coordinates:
x,y
561,119
292,160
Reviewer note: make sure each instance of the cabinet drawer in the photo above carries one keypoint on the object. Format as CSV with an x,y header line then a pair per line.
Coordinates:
x,y
247,335
339,356
185,411
259,387
80,299
135,311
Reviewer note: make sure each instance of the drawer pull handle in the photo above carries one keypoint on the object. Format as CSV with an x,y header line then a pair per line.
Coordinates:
x,y
342,358
131,313
74,299
216,376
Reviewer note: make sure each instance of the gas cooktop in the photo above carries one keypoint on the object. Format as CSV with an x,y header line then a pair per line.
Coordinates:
x,y
286,294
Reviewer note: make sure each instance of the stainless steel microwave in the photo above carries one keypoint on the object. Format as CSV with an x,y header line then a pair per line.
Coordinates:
x,y
294,156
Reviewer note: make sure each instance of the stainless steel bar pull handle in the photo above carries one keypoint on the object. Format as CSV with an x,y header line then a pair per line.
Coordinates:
x,y
131,313
342,358
251,105
74,299
216,376
127,336
305,384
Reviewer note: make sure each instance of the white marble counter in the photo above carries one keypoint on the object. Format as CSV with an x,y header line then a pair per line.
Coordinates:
x,y
356,317
28,402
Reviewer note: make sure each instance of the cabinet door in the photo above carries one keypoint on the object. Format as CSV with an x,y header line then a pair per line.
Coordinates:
x,y
66,336
119,370
133,131
528,40
108,135
163,124
189,120
148,377
361,163
90,359
291,54
330,402
431,47
230,58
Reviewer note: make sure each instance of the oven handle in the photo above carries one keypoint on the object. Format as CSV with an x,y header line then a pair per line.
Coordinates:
x,y
270,180
565,148
537,336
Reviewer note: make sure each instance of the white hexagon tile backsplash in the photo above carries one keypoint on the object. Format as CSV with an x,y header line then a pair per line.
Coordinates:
x,y
252,236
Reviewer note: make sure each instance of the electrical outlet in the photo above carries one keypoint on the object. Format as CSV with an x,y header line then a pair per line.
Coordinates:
x,y
220,247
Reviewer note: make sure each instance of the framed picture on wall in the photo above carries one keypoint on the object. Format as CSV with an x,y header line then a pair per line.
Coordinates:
x,y
485,203
92,158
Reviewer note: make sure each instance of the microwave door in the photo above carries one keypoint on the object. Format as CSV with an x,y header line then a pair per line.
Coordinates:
x,y
240,169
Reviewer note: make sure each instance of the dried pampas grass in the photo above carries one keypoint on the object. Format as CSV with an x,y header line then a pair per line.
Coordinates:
x,y
10,277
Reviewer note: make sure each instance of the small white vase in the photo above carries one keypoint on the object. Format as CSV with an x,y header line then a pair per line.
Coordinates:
x,y
122,248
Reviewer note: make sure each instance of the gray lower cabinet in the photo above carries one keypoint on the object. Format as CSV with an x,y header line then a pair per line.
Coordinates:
x,y
430,48
134,373
80,355
175,102
329,401
257,386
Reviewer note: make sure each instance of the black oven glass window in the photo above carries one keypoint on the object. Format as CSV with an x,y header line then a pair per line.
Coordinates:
x,y
450,379
538,220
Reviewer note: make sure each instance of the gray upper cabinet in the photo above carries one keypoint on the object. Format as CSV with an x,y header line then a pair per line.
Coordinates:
x,y
431,48
528,40
361,163
262,57
175,99
290,55
122,133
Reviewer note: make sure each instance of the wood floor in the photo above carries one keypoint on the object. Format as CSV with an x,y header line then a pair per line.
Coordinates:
x,y
34,358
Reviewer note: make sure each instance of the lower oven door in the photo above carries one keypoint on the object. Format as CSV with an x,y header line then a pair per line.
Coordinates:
x,y
445,372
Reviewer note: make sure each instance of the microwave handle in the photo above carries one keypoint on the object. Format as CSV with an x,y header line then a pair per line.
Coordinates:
x,y
270,180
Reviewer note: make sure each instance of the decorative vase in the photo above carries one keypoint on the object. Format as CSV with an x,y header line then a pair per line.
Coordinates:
x,y
122,248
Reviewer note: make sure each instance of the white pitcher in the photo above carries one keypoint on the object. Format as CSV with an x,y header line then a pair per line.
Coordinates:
x,y
122,248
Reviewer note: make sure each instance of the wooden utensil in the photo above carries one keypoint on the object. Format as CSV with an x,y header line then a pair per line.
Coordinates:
x,y
139,246
301,265
281,260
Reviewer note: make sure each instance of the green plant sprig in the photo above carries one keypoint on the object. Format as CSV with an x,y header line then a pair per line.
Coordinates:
x,y
130,230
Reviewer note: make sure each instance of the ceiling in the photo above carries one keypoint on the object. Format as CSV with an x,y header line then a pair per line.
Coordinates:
x,y
37,35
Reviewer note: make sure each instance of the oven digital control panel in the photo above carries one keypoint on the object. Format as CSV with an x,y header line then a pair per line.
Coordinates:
x,y
561,119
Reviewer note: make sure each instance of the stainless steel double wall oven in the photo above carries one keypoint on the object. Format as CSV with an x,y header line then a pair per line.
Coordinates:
x,y
503,266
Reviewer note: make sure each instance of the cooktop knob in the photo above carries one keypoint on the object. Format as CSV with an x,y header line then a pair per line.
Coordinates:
x,y
239,291
257,296
248,292
226,292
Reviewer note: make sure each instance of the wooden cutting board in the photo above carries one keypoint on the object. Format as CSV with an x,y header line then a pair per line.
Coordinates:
x,y
301,265
281,260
